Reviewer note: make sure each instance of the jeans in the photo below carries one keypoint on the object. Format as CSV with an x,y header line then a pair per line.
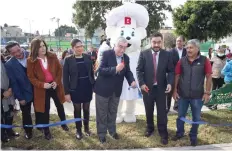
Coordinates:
x,y
183,104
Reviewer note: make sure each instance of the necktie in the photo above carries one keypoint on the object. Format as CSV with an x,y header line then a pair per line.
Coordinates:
x,y
154,62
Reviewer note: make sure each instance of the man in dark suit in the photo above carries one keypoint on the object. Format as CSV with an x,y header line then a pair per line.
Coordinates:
x,y
93,54
108,87
153,66
176,53
17,71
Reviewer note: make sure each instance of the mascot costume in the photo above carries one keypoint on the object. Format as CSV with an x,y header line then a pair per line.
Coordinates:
x,y
130,21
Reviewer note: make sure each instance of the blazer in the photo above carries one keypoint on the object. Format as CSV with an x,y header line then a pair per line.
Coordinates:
x,y
37,78
20,84
108,82
70,72
175,55
145,69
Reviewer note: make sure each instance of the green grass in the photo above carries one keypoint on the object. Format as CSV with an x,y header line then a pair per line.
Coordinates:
x,y
131,135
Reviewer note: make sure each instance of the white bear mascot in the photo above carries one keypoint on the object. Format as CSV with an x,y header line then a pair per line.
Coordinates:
x,y
129,21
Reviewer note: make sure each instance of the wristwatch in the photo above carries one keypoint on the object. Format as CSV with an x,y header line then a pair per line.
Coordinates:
x,y
207,92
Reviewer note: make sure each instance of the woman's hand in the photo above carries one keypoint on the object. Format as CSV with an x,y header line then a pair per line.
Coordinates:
x,y
68,98
47,85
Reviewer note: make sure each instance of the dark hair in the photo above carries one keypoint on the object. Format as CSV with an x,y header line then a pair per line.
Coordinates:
x,y
35,45
157,35
74,42
181,37
11,44
209,53
64,54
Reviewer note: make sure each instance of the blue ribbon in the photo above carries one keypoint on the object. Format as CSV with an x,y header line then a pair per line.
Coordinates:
x,y
44,125
202,122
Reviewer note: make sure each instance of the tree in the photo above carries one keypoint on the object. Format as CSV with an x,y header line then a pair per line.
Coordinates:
x,y
169,40
62,30
204,19
91,14
5,25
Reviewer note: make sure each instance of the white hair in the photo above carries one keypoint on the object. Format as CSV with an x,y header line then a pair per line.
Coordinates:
x,y
194,42
120,39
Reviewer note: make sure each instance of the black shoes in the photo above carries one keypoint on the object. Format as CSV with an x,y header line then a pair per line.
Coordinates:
x,y
79,135
148,134
102,140
65,127
193,142
12,133
164,141
176,137
47,134
115,136
87,132
28,135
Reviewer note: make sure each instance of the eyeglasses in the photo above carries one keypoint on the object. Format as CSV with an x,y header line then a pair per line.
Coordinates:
x,y
122,47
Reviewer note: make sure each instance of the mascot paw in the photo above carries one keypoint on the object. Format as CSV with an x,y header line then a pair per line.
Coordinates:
x,y
119,119
130,118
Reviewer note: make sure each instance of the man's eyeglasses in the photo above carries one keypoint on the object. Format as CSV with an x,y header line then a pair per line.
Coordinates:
x,y
122,47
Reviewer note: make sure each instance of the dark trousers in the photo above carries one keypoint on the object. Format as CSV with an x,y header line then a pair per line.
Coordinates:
x,y
43,118
158,96
26,115
196,105
77,114
6,118
169,100
106,113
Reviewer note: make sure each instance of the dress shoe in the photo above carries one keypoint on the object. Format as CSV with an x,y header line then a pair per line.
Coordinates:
x,y
193,142
28,135
47,134
102,140
164,141
5,138
65,127
12,133
79,135
148,134
176,137
115,136
87,132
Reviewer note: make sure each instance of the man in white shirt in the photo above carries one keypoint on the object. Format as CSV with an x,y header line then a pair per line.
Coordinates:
x,y
176,53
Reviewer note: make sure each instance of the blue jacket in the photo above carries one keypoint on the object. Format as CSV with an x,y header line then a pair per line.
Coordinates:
x,y
227,71
20,84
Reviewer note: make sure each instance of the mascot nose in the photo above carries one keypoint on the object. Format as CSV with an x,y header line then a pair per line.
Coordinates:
x,y
128,38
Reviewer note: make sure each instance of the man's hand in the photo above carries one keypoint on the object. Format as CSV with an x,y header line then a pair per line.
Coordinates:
x,y
168,89
145,88
22,102
133,84
205,98
7,94
119,67
47,86
54,85
175,95
68,98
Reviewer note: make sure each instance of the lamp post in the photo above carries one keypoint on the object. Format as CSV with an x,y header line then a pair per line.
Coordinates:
x,y
29,21
58,24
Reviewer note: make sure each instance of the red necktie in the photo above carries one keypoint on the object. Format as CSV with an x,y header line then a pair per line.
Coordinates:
x,y
154,62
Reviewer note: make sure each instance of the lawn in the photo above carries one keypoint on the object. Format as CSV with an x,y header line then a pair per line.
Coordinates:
x,y
131,135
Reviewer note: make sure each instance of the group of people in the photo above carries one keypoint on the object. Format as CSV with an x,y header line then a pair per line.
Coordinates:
x,y
39,76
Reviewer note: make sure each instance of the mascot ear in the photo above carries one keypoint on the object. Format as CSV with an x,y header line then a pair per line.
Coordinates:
x,y
110,31
142,33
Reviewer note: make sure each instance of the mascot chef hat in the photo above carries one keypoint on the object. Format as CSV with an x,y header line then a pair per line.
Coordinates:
x,y
129,14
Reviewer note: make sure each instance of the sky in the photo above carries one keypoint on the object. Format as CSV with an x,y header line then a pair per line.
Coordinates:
x,y
32,15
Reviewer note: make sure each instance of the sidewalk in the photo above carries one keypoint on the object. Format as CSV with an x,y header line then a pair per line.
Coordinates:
x,y
224,147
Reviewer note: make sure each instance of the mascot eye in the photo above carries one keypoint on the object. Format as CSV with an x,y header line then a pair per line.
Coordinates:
x,y
122,33
133,34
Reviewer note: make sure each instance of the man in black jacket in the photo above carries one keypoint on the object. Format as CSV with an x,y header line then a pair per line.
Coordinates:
x,y
108,87
176,53
153,66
